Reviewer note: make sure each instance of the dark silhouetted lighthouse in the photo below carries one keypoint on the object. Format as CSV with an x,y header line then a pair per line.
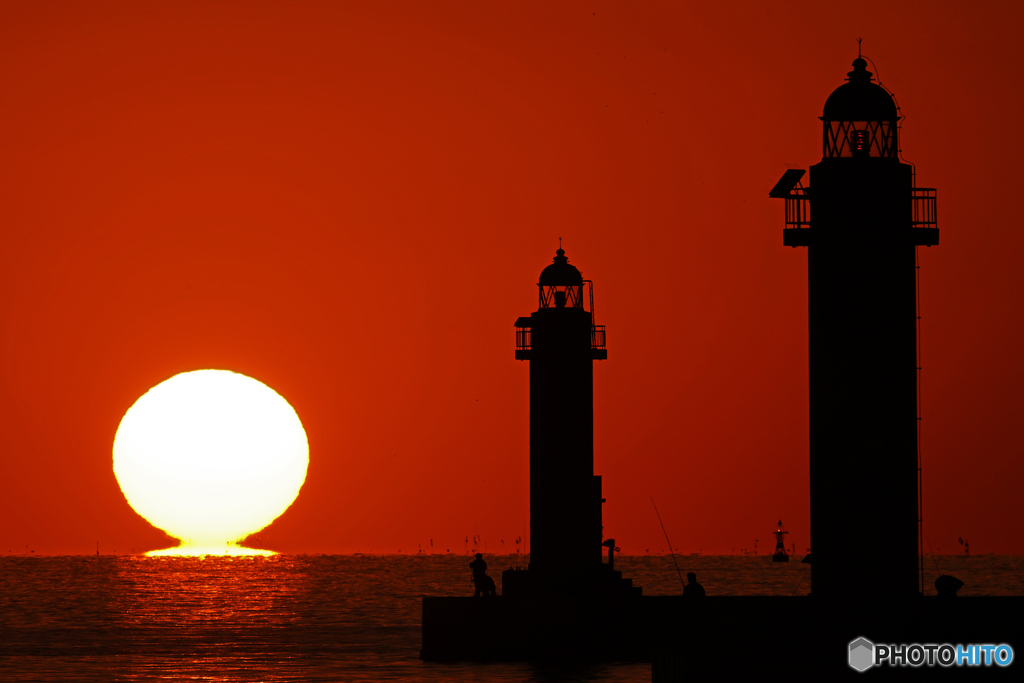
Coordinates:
x,y
868,220
561,342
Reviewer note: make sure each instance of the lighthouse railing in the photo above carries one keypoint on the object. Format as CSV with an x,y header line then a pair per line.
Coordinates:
x,y
798,208
925,207
522,338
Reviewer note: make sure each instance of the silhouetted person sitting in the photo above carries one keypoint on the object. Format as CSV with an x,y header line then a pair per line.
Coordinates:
x,y
947,586
481,582
692,589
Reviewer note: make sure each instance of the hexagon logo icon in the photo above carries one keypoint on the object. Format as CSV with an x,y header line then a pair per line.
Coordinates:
x,y
862,654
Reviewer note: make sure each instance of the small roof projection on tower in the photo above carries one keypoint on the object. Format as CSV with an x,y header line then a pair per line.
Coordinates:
x,y
786,183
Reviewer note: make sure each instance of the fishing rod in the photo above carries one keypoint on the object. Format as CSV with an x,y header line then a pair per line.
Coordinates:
x,y
798,585
678,571
933,554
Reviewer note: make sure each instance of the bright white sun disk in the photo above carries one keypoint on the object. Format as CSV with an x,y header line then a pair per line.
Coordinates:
x,y
210,457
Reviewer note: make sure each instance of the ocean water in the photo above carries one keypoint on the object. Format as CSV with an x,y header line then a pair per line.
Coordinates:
x,y
318,617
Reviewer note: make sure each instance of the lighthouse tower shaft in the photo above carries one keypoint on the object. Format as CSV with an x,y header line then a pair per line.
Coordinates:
x,y
565,496
868,220
862,324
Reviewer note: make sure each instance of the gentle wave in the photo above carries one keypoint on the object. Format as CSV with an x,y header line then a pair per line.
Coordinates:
x,y
317,618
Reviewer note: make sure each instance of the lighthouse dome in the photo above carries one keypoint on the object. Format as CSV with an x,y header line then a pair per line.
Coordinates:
x,y
860,99
561,273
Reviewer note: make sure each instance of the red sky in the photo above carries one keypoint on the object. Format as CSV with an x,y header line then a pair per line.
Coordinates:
x,y
353,205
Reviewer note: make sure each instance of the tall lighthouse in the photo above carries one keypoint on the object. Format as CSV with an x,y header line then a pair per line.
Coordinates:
x,y
862,220
561,342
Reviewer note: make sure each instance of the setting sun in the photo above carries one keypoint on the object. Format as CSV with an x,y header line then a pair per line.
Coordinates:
x,y
210,457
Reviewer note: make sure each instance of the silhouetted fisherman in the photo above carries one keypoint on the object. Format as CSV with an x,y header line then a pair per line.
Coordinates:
x,y
481,582
947,586
692,589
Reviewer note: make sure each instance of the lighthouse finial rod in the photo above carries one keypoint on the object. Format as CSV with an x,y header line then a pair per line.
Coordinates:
x,y
858,47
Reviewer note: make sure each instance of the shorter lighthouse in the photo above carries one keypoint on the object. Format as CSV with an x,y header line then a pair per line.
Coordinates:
x,y
568,604
561,341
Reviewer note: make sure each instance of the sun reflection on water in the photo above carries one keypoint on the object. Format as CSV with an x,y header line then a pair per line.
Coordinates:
x,y
186,550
